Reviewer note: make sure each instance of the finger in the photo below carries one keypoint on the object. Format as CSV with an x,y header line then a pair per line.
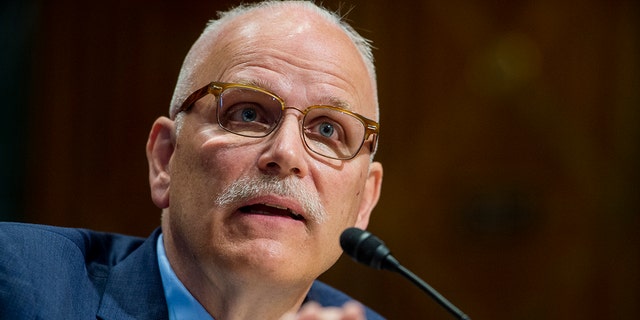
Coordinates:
x,y
289,316
349,311
353,311
309,311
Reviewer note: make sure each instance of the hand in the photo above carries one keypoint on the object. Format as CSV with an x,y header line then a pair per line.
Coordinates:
x,y
314,311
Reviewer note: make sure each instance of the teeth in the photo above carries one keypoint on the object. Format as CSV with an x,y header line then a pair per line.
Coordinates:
x,y
292,214
276,206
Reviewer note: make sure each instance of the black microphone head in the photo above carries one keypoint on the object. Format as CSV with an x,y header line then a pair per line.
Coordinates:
x,y
364,247
350,240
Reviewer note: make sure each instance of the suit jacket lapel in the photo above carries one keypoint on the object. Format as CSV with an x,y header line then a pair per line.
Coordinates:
x,y
134,287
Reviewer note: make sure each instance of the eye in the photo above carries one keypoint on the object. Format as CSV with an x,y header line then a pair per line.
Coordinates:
x,y
247,118
249,115
247,112
326,129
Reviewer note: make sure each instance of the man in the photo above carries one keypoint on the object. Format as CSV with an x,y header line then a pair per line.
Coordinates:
x,y
266,158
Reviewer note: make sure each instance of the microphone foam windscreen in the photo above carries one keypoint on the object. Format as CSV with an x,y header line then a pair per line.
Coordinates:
x,y
360,245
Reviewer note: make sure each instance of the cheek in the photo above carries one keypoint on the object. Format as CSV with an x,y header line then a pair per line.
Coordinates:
x,y
342,194
210,154
201,166
200,169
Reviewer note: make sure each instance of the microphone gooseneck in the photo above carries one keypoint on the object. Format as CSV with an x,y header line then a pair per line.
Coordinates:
x,y
364,247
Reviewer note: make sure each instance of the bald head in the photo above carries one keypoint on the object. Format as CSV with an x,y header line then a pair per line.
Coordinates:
x,y
281,90
286,23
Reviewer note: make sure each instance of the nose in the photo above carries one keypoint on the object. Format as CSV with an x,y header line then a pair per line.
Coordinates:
x,y
285,153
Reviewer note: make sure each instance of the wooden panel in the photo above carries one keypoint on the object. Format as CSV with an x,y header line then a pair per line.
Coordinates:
x,y
509,139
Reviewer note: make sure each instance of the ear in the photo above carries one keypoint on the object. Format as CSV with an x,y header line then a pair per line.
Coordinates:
x,y
371,194
160,148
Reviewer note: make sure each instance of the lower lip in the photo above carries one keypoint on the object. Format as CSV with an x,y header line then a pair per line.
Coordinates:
x,y
268,221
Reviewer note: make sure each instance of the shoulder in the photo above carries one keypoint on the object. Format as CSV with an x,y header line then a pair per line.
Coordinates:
x,y
49,240
36,251
44,265
328,296
29,240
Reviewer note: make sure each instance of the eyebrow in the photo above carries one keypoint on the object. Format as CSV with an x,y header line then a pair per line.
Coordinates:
x,y
328,100
340,103
256,83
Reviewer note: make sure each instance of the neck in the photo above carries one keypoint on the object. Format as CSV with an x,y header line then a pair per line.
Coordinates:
x,y
234,295
249,303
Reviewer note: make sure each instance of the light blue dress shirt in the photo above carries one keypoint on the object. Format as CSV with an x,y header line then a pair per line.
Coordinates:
x,y
181,304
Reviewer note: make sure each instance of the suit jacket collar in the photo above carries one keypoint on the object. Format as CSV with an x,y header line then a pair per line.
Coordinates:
x,y
134,289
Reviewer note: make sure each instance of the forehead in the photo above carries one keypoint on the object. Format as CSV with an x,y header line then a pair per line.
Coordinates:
x,y
290,49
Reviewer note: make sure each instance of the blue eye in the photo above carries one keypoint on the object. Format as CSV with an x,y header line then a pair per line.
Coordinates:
x,y
249,115
326,129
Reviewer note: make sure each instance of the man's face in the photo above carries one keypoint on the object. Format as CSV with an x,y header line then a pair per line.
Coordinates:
x,y
306,62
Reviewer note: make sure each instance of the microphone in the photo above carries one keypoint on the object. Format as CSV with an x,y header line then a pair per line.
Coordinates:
x,y
364,247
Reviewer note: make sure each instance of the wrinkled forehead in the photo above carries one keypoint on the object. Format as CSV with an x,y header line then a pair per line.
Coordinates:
x,y
310,42
286,23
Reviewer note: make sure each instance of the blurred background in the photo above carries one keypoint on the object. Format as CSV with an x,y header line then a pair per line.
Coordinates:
x,y
509,135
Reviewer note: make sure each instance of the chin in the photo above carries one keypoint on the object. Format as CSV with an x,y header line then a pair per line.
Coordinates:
x,y
270,261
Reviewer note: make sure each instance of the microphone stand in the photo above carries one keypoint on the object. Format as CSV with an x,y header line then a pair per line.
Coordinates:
x,y
440,299
367,249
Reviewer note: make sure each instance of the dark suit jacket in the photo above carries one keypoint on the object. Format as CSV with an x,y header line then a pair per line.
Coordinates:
x,y
61,273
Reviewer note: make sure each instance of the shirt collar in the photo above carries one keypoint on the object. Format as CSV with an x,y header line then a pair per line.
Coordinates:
x,y
180,302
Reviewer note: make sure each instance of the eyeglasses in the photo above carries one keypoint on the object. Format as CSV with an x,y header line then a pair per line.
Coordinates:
x,y
250,111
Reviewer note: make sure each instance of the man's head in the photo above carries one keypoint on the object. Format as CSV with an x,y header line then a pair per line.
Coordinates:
x,y
266,210
195,67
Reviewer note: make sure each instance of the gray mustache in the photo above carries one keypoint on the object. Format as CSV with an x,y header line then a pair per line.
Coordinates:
x,y
246,188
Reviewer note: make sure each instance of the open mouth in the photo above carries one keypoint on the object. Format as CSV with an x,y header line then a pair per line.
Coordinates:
x,y
271,210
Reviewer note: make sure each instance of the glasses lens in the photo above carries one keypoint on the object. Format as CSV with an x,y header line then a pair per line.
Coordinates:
x,y
248,112
333,133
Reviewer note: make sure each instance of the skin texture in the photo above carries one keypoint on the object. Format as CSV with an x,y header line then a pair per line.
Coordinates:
x,y
250,266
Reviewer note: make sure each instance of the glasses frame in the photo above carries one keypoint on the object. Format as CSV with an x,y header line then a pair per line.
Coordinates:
x,y
216,88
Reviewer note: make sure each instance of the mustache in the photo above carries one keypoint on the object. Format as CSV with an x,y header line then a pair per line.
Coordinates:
x,y
246,188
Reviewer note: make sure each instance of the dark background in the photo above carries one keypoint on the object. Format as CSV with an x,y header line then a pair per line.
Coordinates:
x,y
510,140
